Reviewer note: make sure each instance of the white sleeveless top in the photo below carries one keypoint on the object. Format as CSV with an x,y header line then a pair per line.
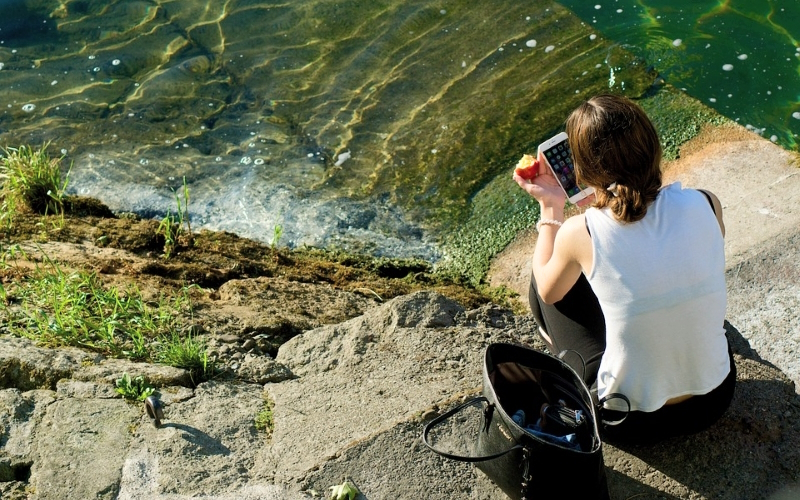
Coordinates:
x,y
660,282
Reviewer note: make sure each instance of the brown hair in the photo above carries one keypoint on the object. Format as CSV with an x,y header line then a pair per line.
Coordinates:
x,y
613,141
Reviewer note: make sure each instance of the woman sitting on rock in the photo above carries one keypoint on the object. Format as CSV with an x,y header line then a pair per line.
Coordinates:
x,y
636,284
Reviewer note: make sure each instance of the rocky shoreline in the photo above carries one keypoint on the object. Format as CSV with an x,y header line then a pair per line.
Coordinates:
x,y
352,358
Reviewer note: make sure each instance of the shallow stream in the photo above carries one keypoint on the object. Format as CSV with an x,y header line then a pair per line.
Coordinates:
x,y
375,126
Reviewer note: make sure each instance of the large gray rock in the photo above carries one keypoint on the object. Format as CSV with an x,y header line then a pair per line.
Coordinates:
x,y
77,448
766,304
367,374
752,452
25,366
111,370
362,394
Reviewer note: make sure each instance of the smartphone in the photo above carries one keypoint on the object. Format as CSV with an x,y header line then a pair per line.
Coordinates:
x,y
559,158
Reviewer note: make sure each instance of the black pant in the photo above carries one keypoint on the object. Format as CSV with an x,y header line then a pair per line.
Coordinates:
x,y
576,323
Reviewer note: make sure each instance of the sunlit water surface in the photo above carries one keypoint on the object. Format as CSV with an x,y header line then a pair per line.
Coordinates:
x,y
367,125
740,57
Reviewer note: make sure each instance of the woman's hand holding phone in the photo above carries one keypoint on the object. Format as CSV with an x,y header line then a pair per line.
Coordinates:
x,y
555,168
543,186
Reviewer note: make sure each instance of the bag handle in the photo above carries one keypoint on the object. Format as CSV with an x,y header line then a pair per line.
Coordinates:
x,y
441,418
599,405
614,395
584,362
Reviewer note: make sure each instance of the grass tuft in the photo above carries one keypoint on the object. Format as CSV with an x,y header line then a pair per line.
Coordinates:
x,y
188,353
32,181
134,389
171,226
58,308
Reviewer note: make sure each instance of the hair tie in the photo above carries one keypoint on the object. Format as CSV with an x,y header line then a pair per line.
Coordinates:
x,y
612,188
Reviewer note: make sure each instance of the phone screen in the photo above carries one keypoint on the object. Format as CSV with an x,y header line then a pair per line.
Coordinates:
x,y
560,159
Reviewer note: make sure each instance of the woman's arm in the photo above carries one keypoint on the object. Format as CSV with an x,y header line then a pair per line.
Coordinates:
x,y
560,251
558,257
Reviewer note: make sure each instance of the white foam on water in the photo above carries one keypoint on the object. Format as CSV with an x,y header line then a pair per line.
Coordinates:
x,y
712,99
619,11
342,157
54,82
742,57
28,107
592,36
757,130
246,160
727,67
597,6
549,48
677,42
258,161
796,115
116,62
530,43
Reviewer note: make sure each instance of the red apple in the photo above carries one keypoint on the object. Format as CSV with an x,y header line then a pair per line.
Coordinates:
x,y
527,167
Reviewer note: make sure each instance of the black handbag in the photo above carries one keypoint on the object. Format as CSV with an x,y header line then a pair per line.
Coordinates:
x,y
539,427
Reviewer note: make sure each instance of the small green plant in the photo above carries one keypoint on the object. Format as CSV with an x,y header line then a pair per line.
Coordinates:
x,y
188,353
276,235
345,491
135,389
31,181
10,253
171,226
263,420
171,230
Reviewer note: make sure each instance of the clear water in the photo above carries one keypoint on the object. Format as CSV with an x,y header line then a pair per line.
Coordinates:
x,y
367,125
740,57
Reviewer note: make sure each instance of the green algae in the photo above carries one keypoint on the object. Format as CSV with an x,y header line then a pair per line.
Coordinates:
x,y
500,212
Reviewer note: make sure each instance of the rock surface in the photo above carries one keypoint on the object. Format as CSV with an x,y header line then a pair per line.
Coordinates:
x,y
362,391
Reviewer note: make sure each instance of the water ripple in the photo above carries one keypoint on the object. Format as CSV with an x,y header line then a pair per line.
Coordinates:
x,y
253,102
